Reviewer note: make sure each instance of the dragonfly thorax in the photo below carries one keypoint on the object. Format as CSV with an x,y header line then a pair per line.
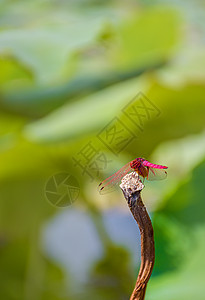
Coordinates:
x,y
136,163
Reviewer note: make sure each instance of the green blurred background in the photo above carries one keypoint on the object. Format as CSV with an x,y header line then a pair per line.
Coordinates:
x,y
68,69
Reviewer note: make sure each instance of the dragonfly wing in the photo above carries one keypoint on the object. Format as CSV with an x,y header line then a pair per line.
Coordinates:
x,y
156,174
105,189
108,185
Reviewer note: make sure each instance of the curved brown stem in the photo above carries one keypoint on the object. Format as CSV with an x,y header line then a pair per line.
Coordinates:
x,y
131,187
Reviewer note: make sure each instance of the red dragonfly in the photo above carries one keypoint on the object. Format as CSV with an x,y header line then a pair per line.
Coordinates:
x,y
143,167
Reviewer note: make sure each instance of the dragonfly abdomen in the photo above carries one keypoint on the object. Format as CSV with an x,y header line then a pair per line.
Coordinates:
x,y
148,164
